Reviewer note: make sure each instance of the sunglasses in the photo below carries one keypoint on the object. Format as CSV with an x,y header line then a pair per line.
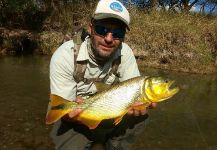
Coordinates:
x,y
118,33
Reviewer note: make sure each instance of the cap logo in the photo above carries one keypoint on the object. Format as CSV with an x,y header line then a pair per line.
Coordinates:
x,y
116,7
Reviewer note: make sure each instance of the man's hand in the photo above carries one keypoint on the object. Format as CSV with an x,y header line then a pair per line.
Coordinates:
x,y
139,108
74,112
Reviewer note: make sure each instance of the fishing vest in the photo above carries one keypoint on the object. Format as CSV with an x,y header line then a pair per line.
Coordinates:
x,y
78,36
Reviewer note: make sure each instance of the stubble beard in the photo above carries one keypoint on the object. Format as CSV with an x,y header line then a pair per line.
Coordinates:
x,y
99,54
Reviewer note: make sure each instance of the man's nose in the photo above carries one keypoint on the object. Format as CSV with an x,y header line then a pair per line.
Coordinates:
x,y
109,37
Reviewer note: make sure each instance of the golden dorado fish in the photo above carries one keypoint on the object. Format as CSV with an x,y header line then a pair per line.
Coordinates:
x,y
113,103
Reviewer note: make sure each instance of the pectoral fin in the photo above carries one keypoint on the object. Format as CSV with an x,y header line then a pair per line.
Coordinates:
x,y
118,120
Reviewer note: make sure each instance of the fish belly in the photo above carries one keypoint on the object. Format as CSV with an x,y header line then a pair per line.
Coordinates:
x,y
112,104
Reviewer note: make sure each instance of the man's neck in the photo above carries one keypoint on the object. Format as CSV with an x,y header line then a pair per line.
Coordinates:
x,y
98,60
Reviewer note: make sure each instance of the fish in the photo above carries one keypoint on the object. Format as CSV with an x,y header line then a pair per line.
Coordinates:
x,y
113,103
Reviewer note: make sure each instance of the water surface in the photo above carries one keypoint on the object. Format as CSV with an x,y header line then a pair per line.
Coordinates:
x,y
188,121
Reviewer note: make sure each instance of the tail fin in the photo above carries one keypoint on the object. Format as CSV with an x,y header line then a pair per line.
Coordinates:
x,y
57,108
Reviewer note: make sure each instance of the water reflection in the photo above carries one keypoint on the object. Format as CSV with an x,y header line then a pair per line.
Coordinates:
x,y
185,122
24,91
188,120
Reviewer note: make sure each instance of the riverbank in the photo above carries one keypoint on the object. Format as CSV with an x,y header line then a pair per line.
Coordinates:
x,y
180,42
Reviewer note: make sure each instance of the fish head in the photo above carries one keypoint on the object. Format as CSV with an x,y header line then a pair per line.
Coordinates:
x,y
158,89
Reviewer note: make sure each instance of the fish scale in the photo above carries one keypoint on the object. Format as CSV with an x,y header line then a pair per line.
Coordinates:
x,y
113,103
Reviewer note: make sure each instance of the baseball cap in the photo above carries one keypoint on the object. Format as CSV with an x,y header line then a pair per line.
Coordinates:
x,y
112,9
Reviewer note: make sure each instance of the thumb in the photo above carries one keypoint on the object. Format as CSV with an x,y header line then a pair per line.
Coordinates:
x,y
74,112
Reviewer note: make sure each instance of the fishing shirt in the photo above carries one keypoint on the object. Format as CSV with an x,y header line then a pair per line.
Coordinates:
x,y
62,82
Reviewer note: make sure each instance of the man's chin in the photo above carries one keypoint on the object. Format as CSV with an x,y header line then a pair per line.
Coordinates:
x,y
105,54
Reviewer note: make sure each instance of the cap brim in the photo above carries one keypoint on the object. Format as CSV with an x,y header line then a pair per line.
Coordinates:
x,y
107,15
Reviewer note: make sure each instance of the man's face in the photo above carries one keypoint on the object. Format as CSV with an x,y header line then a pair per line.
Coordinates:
x,y
106,36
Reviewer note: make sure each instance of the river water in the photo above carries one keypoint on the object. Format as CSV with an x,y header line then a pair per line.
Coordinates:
x,y
188,121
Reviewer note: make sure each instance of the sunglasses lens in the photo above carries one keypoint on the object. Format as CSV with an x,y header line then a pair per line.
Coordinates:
x,y
101,30
116,33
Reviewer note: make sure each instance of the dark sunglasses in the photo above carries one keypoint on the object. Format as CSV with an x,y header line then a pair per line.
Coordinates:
x,y
118,33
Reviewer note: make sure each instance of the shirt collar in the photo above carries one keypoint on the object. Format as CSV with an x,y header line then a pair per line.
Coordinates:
x,y
83,52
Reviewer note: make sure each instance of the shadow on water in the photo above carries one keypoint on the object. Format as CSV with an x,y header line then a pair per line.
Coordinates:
x,y
186,122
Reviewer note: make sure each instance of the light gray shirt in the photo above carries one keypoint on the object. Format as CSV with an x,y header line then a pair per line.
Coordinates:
x,y
62,82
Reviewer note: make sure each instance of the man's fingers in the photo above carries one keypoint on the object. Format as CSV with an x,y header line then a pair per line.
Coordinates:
x,y
74,113
79,99
137,104
153,105
77,111
143,112
130,112
136,112
139,108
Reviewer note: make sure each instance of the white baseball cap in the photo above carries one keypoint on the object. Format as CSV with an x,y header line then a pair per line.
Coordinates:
x,y
112,9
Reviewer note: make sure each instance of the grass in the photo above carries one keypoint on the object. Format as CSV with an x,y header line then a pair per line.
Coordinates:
x,y
174,39
160,39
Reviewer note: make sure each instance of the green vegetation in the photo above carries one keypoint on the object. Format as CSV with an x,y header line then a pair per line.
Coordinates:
x,y
186,42
175,39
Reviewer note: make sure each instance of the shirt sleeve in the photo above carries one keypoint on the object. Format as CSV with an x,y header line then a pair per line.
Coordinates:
x,y
128,68
61,72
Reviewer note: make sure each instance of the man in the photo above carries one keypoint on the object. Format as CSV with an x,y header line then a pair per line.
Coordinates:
x,y
104,57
